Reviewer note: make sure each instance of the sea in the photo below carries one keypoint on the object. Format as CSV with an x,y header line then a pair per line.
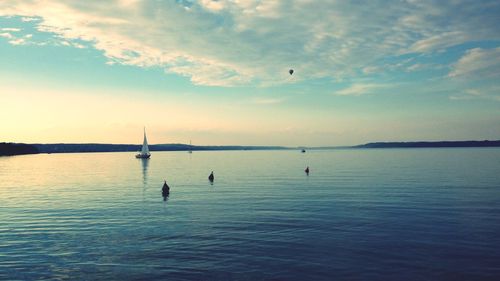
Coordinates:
x,y
360,214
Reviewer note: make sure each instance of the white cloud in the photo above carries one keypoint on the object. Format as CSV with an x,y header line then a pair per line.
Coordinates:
x,y
415,67
212,5
10,29
473,92
227,43
423,66
462,97
6,35
484,93
440,41
371,69
28,19
79,46
359,89
15,39
478,63
18,41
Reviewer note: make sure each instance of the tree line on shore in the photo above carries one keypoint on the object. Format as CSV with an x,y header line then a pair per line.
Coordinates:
x,y
8,149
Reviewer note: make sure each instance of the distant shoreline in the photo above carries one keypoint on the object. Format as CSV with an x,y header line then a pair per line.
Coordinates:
x,y
9,149
430,144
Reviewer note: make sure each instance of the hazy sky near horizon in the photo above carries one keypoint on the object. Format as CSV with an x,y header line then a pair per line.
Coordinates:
x,y
216,72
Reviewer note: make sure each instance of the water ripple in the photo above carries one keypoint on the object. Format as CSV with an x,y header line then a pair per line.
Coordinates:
x,y
360,214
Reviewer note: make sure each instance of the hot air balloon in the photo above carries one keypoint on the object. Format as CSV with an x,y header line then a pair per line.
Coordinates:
x,y
290,71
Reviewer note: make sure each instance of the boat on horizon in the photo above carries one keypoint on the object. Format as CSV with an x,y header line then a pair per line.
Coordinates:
x,y
144,154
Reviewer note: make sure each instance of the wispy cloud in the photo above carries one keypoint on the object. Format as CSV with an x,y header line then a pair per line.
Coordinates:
x,y
213,5
28,19
18,41
439,41
72,44
228,43
14,40
485,93
371,69
6,35
359,89
423,66
473,92
13,36
10,29
478,63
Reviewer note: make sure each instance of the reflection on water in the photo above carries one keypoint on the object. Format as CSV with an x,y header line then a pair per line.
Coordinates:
x,y
398,214
145,165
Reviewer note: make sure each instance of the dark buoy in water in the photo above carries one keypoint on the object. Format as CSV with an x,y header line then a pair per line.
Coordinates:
x,y
290,71
303,151
211,177
307,170
165,190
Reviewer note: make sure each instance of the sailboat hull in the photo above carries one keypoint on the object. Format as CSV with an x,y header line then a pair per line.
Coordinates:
x,y
143,156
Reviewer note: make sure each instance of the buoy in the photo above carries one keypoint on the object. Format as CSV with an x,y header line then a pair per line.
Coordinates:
x,y
165,190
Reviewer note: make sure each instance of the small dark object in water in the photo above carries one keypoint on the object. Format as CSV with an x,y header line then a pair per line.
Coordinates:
x,y
303,151
165,191
290,71
307,170
211,177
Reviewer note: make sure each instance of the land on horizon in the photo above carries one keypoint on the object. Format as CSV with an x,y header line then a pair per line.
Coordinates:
x,y
8,149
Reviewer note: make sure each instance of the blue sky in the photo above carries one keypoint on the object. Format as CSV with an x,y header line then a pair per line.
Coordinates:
x,y
216,72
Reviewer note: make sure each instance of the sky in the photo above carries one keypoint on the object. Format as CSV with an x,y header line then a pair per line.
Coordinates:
x,y
217,72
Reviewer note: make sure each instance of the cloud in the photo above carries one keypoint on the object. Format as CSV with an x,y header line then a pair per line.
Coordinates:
x,y
359,89
212,5
371,69
6,35
230,43
416,67
15,40
18,41
473,92
10,29
439,41
28,19
477,63
484,93
423,66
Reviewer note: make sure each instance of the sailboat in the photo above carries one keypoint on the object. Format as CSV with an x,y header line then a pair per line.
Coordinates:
x,y
145,150
190,147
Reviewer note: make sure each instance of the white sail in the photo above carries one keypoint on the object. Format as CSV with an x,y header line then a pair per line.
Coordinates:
x,y
145,149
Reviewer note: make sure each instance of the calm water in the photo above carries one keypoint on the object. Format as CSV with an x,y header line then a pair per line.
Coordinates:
x,y
393,214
